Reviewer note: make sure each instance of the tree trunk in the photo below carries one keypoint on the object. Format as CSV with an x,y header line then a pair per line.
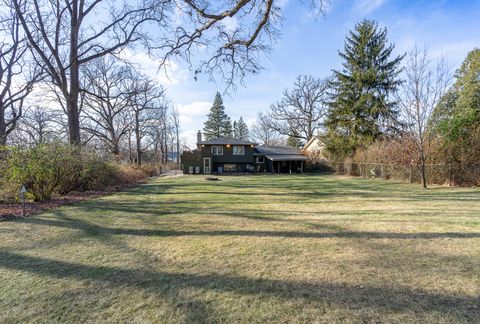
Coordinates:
x,y
130,146
3,130
178,145
138,140
423,172
72,98
73,120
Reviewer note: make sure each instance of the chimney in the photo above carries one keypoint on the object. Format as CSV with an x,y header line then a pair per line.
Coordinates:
x,y
199,137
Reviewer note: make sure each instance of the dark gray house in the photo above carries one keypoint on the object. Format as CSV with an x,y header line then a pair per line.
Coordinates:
x,y
230,155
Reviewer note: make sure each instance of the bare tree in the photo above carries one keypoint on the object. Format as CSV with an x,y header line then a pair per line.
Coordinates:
x,y
262,132
40,125
143,102
65,35
175,118
106,99
68,34
299,114
16,77
426,82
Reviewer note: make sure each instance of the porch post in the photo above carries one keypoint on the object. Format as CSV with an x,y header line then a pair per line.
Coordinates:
x,y
278,164
301,167
290,166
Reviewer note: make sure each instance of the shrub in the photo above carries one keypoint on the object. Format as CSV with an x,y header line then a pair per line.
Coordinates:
x,y
48,169
57,168
42,169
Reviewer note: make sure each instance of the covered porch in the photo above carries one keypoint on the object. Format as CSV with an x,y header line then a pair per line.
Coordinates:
x,y
284,163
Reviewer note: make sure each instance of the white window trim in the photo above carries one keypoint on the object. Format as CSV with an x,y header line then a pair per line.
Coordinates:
x,y
219,149
236,147
260,159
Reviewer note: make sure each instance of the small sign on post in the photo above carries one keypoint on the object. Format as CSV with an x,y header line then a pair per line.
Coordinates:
x,y
23,191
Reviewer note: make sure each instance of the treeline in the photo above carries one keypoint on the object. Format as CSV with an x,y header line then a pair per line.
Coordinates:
x,y
124,113
406,110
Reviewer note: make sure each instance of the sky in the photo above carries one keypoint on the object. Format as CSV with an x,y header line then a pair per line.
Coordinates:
x,y
310,46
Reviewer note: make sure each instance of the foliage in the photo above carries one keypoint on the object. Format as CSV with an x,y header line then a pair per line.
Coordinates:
x,y
47,169
240,130
459,111
361,109
218,123
55,169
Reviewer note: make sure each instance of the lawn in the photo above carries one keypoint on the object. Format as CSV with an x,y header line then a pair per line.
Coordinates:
x,y
248,249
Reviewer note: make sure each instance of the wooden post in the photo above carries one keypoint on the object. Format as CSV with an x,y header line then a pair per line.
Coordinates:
x,y
290,166
278,164
301,167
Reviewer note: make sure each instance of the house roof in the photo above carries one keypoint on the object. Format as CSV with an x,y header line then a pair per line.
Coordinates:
x,y
276,150
286,157
226,141
311,141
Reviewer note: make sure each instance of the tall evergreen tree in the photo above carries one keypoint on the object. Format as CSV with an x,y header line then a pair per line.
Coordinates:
x,y
458,114
459,110
240,130
362,108
235,129
218,123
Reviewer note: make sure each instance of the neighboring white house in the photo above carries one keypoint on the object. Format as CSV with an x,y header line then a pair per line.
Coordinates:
x,y
314,145
314,148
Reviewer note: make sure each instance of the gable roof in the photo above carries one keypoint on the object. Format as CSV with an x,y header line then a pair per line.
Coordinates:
x,y
226,141
311,141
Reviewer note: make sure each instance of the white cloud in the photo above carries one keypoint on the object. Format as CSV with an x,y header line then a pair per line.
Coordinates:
x,y
196,108
189,138
365,7
191,117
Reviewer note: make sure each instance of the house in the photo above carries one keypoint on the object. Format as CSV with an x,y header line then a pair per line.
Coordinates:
x,y
278,159
230,155
314,149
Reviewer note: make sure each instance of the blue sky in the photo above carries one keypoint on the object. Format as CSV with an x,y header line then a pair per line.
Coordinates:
x,y
310,46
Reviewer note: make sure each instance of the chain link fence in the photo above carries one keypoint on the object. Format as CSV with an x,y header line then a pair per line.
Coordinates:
x,y
447,173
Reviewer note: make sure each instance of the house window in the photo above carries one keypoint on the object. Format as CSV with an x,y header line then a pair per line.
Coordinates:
x,y
260,159
238,150
217,150
230,167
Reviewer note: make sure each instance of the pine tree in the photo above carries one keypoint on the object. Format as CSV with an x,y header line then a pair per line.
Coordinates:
x,y
227,128
362,108
240,130
235,129
218,124
459,110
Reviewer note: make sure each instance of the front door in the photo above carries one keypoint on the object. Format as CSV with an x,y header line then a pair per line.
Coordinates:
x,y
207,165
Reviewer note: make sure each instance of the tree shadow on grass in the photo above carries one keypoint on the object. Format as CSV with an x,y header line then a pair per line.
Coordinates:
x,y
94,230
371,299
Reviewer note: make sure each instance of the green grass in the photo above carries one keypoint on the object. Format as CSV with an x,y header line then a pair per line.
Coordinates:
x,y
248,249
